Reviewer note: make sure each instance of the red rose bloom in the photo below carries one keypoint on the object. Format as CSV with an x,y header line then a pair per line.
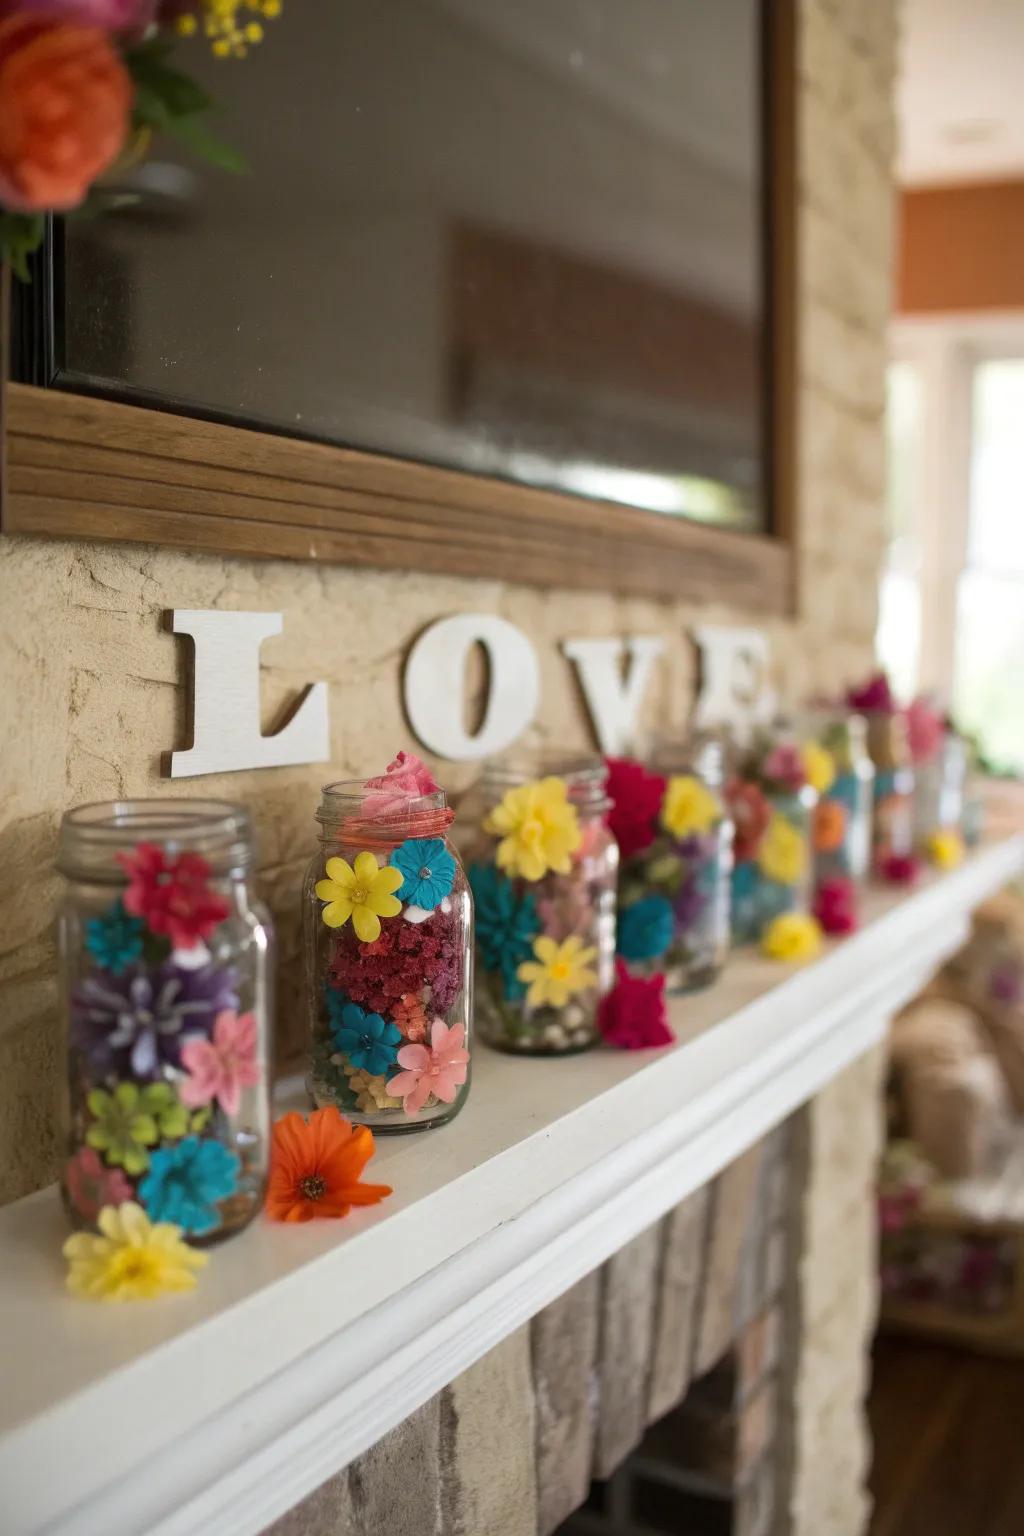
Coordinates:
x,y
835,905
632,1015
172,896
636,797
751,813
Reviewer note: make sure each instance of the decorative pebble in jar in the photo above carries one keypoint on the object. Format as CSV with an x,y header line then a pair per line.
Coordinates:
x,y
543,873
675,863
166,964
389,950
771,800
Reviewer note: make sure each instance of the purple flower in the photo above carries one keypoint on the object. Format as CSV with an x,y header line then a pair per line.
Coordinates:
x,y
689,901
138,1022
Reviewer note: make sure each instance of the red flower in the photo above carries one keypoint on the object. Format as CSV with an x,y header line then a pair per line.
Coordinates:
x,y
403,960
899,868
632,1015
835,905
636,797
172,896
751,813
874,696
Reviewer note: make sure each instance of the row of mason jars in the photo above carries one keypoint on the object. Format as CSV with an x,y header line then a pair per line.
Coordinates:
x,y
570,869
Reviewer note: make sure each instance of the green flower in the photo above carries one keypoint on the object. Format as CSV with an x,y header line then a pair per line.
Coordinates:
x,y
131,1119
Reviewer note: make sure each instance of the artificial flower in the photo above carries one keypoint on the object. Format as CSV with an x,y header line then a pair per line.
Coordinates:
x,y
136,1022
835,904
405,958
782,856
558,972
819,766
645,928
363,892
792,936
404,779
66,99
925,730
632,1015
114,939
173,896
507,921
636,797
410,1018
829,825
315,1167
691,898
1005,984
568,908
688,807
428,871
784,765
371,1091
539,829
132,1118
220,1068
899,868
185,1182
439,1069
751,812
946,848
367,1040
873,697
231,26
90,1186
745,907
132,1259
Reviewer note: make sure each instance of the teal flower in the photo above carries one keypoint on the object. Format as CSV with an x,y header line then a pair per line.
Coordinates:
x,y
506,923
184,1184
368,1040
115,939
645,928
428,868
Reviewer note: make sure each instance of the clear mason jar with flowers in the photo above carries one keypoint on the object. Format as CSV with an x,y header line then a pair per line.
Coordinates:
x,y
675,846
542,867
389,937
771,798
167,981
842,817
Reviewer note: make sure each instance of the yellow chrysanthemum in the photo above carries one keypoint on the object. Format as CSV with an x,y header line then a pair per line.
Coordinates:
x,y
559,971
364,893
782,856
819,766
133,1260
539,828
946,848
688,807
371,1092
792,936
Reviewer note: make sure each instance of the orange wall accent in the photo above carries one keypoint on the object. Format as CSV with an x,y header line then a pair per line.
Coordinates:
x,y
962,248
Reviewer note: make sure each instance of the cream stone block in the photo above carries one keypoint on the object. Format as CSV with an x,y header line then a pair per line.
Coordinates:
x,y
564,1342
628,1297
488,1435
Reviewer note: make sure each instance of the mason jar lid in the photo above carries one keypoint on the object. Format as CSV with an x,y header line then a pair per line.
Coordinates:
x,y
91,836
367,812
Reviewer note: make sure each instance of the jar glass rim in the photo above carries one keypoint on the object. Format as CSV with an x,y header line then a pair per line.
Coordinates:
x,y
219,829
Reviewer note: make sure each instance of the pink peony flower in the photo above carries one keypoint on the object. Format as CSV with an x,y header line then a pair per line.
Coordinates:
x,y
437,1069
636,797
785,765
91,1184
632,1015
835,905
873,697
900,868
223,1066
172,896
925,730
404,778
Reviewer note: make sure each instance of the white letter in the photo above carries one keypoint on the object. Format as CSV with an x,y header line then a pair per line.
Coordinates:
x,y
612,702
734,684
434,685
226,699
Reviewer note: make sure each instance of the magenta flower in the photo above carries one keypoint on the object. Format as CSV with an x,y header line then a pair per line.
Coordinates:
x,y
223,1066
404,778
925,730
873,697
437,1069
785,765
835,904
636,797
173,896
110,15
900,868
91,1184
632,1015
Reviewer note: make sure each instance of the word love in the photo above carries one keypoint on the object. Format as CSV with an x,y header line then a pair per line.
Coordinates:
x,y
613,676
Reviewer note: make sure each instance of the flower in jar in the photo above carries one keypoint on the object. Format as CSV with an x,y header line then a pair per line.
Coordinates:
x,y
538,827
428,871
873,696
367,1040
925,730
138,1022
785,765
362,891
133,1259
114,939
829,825
316,1167
819,766
219,1068
126,1122
558,972
946,848
835,904
439,1068
507,921
185,1183
173,896
405,778
782,856
689,807
645,928
632,1015
90,1185
899,868
636,797
793,937
751,812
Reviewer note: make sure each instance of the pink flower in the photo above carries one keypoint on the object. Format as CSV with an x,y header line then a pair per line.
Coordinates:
x,y
173,896
835,905
874,696
223,1066
404,778
437,1069
899,868
925,730
632,1015
636,797
110,15
785,765
91,1185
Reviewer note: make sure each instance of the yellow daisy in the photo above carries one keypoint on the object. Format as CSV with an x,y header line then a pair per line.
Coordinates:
x,y
946,848
539,828
133,1260
363,893
782,856
792,936
688,807
559,971
819,766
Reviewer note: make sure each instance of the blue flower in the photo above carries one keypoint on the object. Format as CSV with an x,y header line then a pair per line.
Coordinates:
x,y
506,924
367,1040
115,939
185,1182
645,928
429,870
336,1001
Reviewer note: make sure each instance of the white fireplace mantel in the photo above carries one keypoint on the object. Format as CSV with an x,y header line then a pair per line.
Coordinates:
x,y
302,1346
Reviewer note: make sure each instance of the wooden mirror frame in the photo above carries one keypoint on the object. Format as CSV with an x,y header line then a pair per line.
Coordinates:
x,y
79,467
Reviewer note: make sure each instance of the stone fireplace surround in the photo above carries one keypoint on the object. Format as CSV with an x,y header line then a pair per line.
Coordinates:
x,y
549,1276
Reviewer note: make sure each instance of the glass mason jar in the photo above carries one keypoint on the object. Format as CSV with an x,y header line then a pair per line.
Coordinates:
x,y
842,820
167,983
543,865
892,830
388,920
939,787
772,868
673,902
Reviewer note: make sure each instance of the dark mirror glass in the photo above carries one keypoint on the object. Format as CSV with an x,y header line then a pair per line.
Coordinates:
x,y
522,238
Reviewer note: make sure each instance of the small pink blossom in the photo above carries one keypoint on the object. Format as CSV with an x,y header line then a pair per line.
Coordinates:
x,y
223,1066
632,1015
91,1185
437,1069
172,896
835,904
785,765
404,778
925,730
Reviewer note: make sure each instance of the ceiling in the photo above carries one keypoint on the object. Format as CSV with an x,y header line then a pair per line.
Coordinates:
x,y
962,91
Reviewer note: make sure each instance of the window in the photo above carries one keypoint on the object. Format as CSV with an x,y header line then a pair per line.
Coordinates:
x,y
898,639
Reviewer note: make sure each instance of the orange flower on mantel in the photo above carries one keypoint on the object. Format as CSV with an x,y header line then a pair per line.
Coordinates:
x,y
315,1167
